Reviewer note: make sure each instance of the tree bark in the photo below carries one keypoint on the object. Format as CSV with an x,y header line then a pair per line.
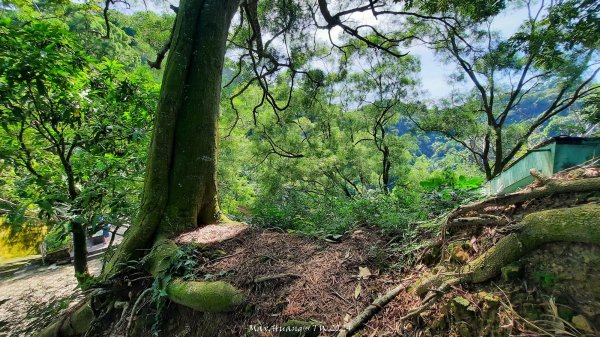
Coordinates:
x,y
77,228
386,165
552,187
79,251
180,189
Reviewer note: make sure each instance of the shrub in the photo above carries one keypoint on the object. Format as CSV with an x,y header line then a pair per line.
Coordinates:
x,y
317,214
57,238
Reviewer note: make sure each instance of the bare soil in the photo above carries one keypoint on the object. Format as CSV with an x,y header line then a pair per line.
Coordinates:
x,y
34,298
293,277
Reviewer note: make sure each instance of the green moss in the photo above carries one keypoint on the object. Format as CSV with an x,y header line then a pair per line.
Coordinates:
x,y
462,309
545,279
216,296
463,329
511,272
162,256
565,313
82,319
489,264
75,324
575,224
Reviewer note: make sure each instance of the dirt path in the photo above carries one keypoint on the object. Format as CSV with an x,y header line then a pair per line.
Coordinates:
x,y
33,298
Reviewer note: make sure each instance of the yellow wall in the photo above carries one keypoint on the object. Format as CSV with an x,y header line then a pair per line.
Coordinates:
x,y
19,243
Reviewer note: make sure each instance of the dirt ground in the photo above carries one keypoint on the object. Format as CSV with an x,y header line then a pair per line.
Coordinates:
x,y
34,298
288,277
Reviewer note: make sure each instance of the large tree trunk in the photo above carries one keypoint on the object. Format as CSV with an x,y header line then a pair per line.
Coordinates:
x,y
180,191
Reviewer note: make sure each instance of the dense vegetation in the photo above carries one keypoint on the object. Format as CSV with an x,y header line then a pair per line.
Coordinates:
x,y
76,107
317,133
75,121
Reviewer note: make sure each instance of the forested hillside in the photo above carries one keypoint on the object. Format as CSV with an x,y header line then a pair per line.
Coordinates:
x,y
281,169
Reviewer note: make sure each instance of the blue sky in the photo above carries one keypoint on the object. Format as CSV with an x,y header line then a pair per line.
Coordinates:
x,y
434,73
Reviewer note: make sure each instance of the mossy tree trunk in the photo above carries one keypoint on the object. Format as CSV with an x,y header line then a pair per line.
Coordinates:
x,y
180,191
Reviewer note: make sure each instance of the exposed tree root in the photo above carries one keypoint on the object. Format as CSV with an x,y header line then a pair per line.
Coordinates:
x,y
208,297
576,224
551,187
480,220
135,309
216,296
73,323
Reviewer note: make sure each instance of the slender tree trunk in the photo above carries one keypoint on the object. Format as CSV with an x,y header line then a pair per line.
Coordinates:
x,y
498,163
386,169
180,189
79,250
77,229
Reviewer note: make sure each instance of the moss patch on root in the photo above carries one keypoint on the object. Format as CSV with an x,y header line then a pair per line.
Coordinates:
x,y
161,256
201,296
216,296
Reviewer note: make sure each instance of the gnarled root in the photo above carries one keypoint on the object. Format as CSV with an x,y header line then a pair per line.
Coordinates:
x,y
479,221
551,187
576,224
208,297
74,323
216,296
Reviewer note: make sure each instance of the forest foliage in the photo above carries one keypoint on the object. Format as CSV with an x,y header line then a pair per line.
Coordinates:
x,y
357,143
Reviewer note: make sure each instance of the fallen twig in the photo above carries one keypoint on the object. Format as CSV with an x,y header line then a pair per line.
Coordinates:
x,y
224,257
370,311
339,296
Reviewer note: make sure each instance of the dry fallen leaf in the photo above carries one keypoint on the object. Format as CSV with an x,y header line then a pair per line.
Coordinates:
x,y
364,272
357,291
474,244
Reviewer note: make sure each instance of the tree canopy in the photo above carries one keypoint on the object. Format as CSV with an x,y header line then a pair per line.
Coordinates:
x,y
296,116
